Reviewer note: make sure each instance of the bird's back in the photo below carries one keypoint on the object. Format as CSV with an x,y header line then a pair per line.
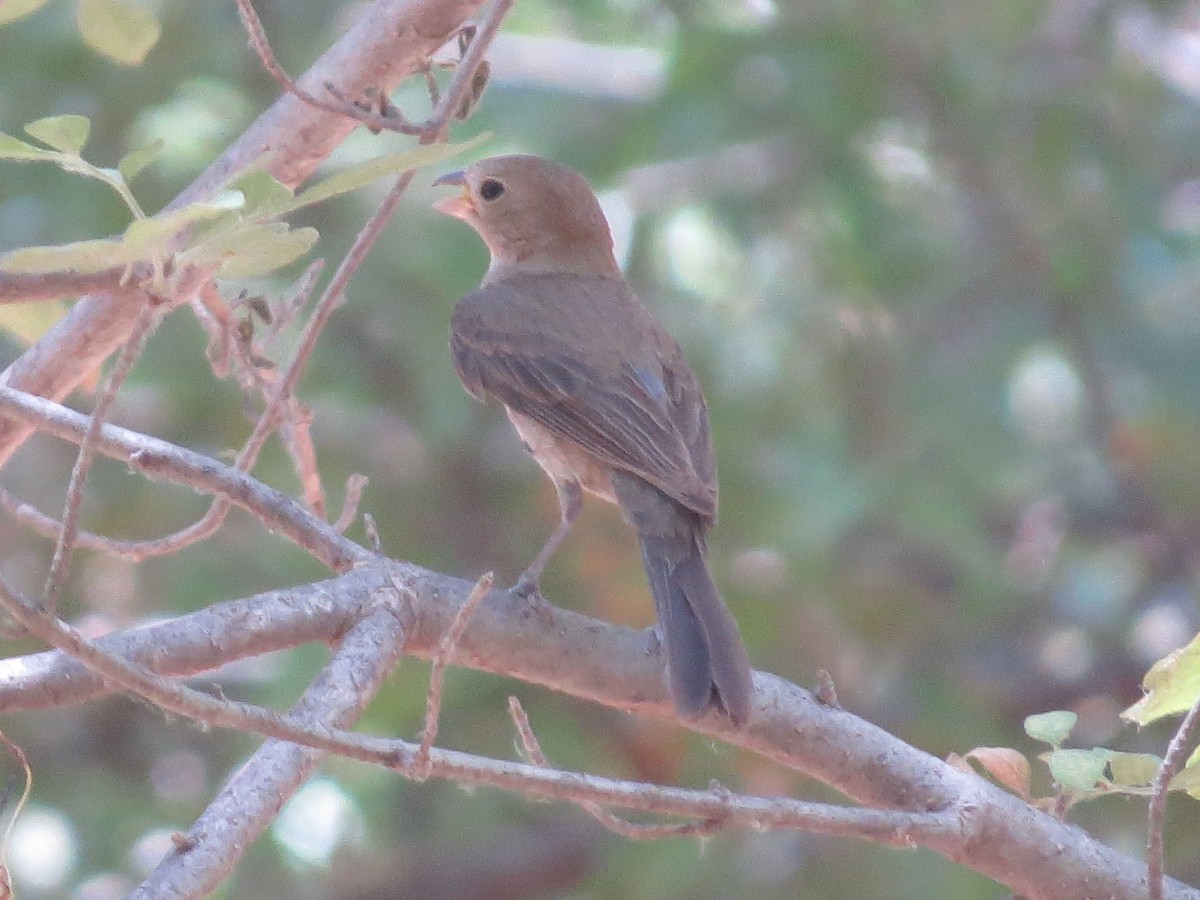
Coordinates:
x,y
583,357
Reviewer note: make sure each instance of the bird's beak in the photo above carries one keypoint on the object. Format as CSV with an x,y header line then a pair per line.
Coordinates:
x,y
460,206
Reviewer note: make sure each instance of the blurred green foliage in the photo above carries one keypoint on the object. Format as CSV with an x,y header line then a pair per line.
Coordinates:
x,y
936,265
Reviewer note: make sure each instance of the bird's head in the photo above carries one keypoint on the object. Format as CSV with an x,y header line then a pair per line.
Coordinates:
x,y
535,216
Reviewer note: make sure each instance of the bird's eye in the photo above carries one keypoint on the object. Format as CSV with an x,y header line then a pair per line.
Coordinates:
x,y
490,189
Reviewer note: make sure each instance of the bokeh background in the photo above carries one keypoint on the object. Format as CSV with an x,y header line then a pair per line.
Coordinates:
x,y
936,265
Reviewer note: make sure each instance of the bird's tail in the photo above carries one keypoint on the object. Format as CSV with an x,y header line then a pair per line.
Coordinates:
x,y
707,663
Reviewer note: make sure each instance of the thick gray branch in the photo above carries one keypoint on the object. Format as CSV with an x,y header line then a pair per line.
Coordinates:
x,y
1005,838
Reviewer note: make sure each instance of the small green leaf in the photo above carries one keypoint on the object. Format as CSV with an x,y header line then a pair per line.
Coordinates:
x,y
12,148
1188,780
265,197
1172,686
11,10
249,249
82,256
1081,770
136,160
373,169
123,30
1134,769
65,133
1051,727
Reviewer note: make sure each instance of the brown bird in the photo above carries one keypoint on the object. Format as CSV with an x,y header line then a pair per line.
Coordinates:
x,y
603,399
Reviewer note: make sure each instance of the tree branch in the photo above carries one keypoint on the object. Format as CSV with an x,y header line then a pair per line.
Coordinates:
x,y
390,41
996,833
252,798
163,461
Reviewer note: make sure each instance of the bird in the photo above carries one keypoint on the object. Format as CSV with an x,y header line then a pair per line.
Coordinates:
x,y
603,399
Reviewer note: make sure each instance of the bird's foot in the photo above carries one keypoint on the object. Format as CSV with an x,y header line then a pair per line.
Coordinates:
x,y
528,590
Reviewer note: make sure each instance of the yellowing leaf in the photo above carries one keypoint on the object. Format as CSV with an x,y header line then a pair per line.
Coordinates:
x,y
1172,686
1188,780
10,10
1006,765
123,30
1133,769
65,133
29,321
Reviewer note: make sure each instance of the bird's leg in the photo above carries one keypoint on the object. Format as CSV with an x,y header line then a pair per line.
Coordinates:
x,y
570,502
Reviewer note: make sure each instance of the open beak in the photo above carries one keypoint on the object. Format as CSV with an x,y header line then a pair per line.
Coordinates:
x,y
460,206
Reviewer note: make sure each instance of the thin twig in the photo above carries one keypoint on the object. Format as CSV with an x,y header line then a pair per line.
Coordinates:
x,y
437,672
614,823
355,485
134,551
64,548
258,40
6,839
160,459
1173,761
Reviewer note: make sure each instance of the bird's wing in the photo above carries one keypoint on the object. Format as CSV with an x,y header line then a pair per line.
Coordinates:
x,y
645,418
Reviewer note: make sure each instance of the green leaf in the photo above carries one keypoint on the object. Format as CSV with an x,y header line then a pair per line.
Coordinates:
x,y
1172,686
249,249
144,239
154,235
65,133
123,30
364,173
82,256
11,10
1051,727
1134,769
12,148
265,197
1189,779
1081,770
136,160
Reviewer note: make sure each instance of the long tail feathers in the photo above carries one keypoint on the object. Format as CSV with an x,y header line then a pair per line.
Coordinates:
x,y
706,662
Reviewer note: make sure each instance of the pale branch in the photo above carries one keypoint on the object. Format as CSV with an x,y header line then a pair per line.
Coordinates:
x,y
163,461
16,287
253,796
1001,836
391,40
898,828
198,642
